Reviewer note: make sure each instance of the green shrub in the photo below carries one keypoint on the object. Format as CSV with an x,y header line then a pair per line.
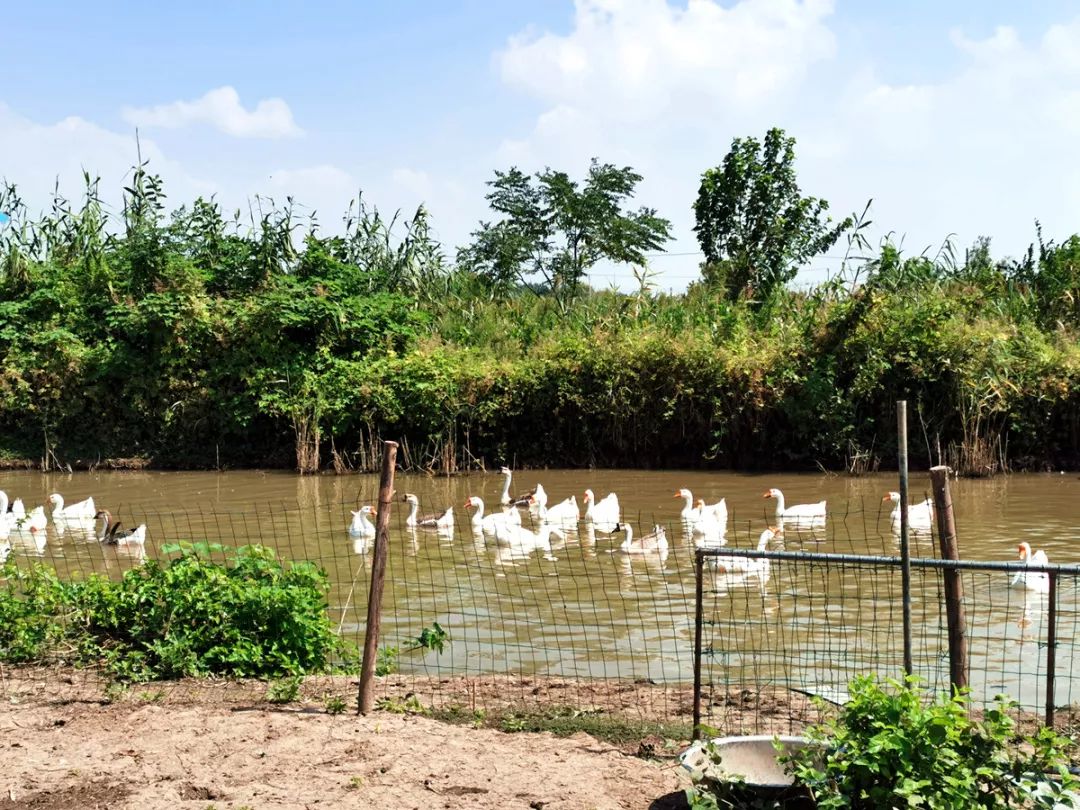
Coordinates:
x,y
893,747
31,608
248,616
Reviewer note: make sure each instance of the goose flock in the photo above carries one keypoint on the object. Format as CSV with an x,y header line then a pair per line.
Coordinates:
x,y
705,523
28,529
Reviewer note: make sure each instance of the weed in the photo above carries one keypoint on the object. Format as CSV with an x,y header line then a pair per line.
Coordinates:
x,y
335,704
355,783
284,690
565,721
409,705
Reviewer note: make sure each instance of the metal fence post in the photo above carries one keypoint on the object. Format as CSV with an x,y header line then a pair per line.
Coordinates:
x,y
366,696
954,586
905,549
699,616
1051,647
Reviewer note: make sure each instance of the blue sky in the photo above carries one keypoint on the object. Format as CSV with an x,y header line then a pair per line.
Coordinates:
x,y
956,118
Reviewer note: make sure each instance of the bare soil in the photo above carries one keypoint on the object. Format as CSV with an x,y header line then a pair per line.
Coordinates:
x,y
75,751
198,744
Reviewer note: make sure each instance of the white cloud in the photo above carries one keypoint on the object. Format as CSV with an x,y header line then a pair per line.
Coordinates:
x,y
986,150
40,156
635,60
222,110
982,149
414,182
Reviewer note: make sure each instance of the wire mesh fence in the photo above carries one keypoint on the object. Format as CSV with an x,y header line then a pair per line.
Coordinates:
x,y
577,622
777,627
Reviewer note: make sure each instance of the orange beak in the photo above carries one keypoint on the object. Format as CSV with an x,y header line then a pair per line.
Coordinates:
x,y
468,502
767,495
886,498
676,495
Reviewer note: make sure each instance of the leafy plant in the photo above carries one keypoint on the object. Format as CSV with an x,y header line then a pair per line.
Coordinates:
x,y
430,638
284,690
410,704
335,704
249,615
892,746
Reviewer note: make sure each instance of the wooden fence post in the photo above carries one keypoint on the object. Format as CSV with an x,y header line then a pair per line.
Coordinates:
x,y
378,573
954,586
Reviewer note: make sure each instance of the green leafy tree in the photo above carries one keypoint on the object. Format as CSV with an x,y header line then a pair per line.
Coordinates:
x,y
557,229
754,226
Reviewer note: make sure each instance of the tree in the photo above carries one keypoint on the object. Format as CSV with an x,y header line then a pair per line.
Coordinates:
x,y
553,228
754,226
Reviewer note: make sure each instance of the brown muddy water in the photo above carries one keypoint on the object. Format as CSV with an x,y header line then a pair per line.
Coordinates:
x,y
587,610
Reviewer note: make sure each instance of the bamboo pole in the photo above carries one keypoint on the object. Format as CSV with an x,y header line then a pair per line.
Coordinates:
x,y
366,696
954,586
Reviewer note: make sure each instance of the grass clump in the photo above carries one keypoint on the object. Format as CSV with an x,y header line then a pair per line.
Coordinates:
x,y
565,721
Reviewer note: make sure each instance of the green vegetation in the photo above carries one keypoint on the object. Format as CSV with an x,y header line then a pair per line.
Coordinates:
x,y
192,339
895,746
565,721
754,226
247,616
430,638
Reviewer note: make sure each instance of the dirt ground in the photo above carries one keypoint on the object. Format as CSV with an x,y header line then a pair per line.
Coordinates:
x,y
77,752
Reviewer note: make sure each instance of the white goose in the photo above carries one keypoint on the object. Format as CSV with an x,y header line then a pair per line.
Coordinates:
x,y
708,531
32,522
361,526
728,564
655,542
442,521
1038,581
519,542
603,515
508,474
80,512
689,514
29,530
7,519
920,515
489,524
801,516
565,513
693,512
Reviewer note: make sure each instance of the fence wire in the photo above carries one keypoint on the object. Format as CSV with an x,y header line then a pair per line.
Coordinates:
x,y
778,628
583,625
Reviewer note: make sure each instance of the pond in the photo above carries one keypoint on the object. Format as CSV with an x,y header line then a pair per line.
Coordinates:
x,y
583,609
